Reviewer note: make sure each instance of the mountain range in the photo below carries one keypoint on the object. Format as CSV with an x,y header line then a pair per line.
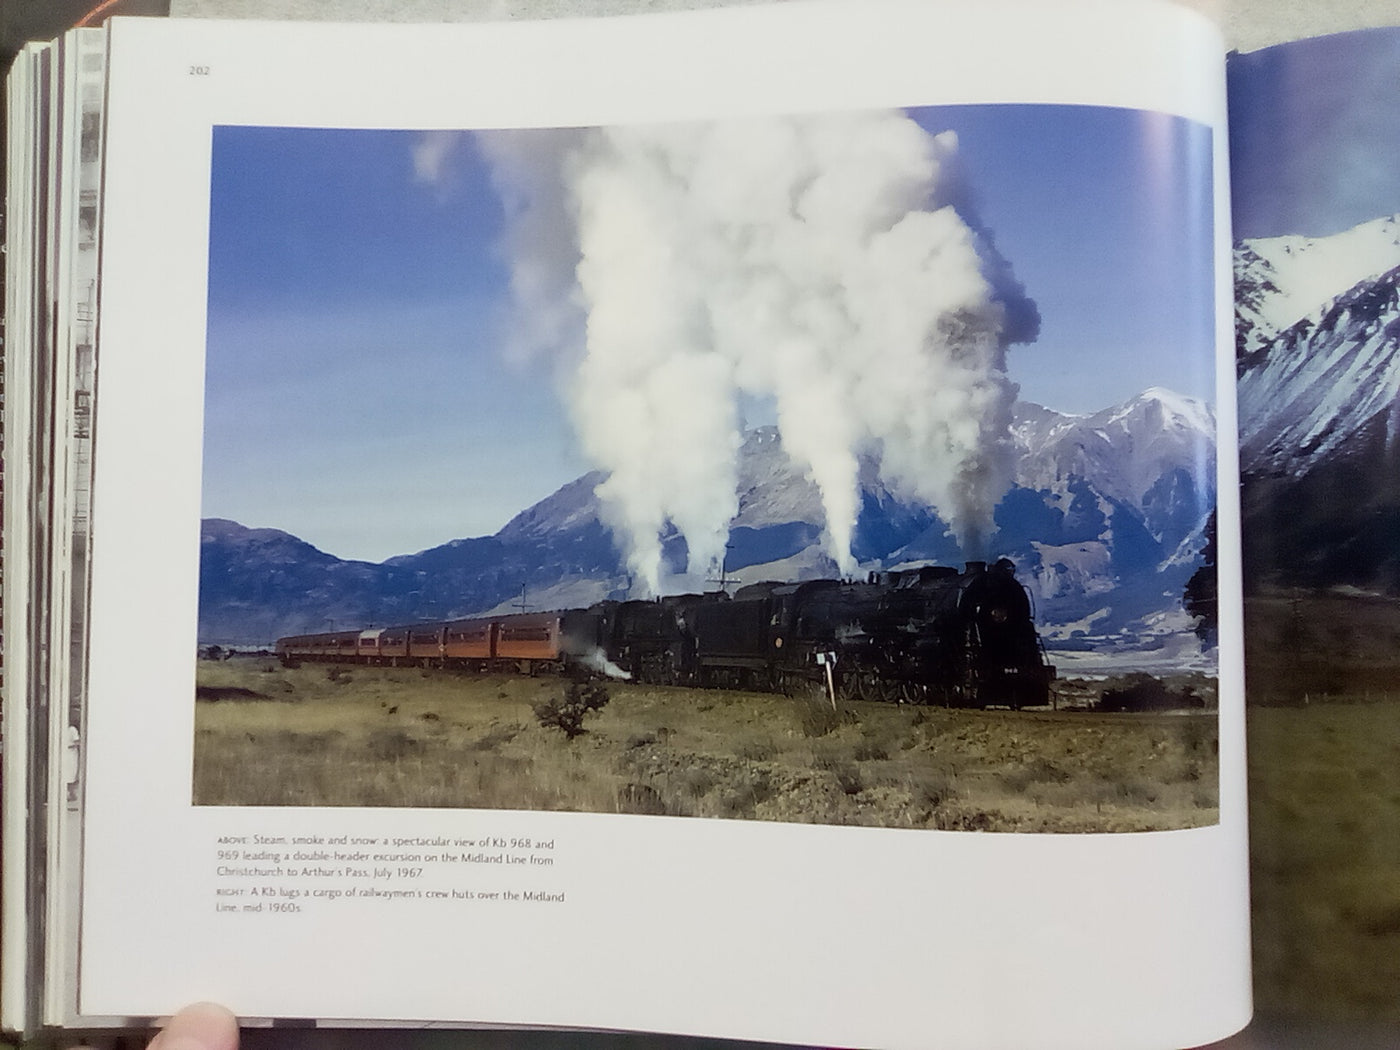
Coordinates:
x,y
1104,522
1318,363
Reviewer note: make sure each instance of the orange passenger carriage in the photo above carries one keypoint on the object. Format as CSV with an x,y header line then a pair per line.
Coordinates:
x,y
334,645
529,638
393,646
469,641
342,644
425,645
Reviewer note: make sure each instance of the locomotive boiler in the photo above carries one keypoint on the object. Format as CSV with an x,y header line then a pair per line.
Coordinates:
x,y
921,635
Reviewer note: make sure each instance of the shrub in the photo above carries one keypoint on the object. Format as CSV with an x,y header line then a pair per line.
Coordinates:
x,y
567,712
226,692
1143,692
848,779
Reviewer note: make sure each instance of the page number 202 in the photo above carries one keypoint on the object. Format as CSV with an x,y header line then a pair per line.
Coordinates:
x,y
198,71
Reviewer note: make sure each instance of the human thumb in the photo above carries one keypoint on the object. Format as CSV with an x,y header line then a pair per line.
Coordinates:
x,y
203,1026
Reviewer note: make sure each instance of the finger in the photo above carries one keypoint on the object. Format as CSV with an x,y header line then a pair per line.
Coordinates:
x,y
203,1026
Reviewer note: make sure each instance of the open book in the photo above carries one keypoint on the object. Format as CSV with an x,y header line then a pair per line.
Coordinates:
x,y
719,523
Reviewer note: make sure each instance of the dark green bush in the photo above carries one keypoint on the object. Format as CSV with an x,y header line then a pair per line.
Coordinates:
x,y
567,712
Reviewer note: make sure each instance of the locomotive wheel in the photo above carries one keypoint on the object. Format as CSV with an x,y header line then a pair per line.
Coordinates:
x,y
871,686
883,690
913,693
848,687
867,684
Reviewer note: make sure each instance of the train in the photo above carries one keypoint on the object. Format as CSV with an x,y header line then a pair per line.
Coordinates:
x,y
925,635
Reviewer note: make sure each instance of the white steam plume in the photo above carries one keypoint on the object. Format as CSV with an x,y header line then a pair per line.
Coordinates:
x,y
803,259
596,660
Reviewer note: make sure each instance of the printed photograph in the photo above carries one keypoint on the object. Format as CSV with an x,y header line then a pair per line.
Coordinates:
x,y
1315,133
852,468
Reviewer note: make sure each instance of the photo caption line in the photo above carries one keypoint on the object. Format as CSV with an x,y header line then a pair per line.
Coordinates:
x,y
294,874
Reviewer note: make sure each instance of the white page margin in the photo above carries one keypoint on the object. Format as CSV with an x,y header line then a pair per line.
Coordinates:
x,y
1138,938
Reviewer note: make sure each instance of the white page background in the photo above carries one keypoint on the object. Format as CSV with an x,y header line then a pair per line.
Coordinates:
x,y
733,928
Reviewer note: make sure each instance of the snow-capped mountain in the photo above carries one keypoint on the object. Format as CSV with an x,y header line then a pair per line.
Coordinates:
x,y
1103,522
1125,449
1281,280
1322,380
1319,398
1106,522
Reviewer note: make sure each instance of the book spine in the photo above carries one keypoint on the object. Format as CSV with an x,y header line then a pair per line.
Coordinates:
x,y
53,193
79,163
25,335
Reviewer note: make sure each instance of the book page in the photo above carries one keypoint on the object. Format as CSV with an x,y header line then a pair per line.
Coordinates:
x,y
1317,222
775,363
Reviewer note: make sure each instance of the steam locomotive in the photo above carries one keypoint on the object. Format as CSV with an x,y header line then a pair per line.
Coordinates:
x,y
922,635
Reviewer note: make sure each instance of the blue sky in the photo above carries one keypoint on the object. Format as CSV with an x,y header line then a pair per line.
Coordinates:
x,y
357,390
1104,215
354,393
1314,134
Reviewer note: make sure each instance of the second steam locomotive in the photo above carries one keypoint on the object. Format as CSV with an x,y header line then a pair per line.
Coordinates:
x,y
922,635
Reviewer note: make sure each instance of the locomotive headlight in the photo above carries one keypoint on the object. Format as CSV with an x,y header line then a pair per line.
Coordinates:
x,y
999,615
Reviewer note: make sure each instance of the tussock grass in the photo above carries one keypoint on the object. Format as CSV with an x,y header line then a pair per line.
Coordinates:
x,y
401,737
1324,785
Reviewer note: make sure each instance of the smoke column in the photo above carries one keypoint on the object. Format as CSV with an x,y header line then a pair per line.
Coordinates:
x,y
810,260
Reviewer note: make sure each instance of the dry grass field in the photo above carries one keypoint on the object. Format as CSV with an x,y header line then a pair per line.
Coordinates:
x,y
1325,850
1324,782
326,736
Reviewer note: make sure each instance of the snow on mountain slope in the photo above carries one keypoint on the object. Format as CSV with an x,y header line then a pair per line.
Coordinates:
x,y
1125,449
1322,380
771,489
1103,524
1319,401
1281,280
